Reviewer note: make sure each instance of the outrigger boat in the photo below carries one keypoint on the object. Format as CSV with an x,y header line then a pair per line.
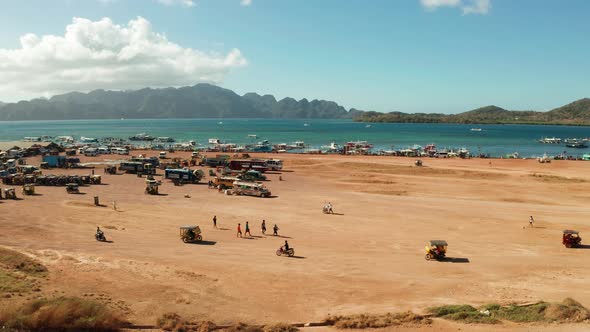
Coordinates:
x,y
141,137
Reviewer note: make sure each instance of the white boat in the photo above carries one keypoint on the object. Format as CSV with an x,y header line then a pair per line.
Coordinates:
x,y
550,140
253,136
475,129
220,122
88,139
332,148
368,126
32,139
214,141
306,124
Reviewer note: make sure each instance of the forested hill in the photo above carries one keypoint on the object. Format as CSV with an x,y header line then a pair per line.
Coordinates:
x,y
576,113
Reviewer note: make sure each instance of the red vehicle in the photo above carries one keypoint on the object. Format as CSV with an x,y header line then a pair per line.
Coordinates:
x,y
247,164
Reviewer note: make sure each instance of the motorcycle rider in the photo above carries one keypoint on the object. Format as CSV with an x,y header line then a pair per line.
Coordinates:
x,y
286,246
99,233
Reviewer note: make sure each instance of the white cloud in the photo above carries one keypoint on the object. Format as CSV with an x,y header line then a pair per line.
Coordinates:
x,y
184,3
467,6
433,4
477,7
245,2
101,54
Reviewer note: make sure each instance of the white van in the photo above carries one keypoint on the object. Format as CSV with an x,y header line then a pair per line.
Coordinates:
x,y
251,189
91,152
121,151
162,154
274,164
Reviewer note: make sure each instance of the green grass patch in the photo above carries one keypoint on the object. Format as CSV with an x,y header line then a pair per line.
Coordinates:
x,y
11,282
462,313
14,260
569,311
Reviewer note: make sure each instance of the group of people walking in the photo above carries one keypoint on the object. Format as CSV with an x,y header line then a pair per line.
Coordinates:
x,y
275,228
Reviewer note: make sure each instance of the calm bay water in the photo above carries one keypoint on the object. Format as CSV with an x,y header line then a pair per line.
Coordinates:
x,y
496,140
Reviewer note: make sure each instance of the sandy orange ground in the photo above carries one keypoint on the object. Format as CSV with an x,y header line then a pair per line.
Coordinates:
x,y
367,258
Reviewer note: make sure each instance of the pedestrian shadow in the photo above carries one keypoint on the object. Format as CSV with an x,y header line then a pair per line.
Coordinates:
x,y
256,236
223,229
582,246
281,236
337,214
249,238
108,241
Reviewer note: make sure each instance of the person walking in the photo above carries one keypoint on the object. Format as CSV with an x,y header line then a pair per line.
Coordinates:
x,y
215,221
275,230
239,234
247,232
531,222
263,227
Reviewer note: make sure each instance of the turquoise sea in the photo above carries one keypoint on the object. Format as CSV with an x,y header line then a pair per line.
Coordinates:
x,y
496,140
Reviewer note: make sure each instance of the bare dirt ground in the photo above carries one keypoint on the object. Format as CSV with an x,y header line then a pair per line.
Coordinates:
x,y
368,257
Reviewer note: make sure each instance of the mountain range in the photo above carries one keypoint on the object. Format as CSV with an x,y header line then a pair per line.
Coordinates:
x,y
210,101
199,101
575,113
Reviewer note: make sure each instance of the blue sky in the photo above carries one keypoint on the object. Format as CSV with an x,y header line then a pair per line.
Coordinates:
x,y
382,55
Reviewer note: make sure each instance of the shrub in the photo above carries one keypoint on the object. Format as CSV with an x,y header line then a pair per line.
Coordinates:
x,y
61,314
280,327
366,321
171,321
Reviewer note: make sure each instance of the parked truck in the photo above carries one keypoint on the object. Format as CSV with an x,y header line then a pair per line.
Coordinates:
x,y
135,167
184,175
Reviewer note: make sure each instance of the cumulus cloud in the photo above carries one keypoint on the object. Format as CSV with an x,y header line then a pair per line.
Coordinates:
x,y
184,3
481,7
102,54
245,2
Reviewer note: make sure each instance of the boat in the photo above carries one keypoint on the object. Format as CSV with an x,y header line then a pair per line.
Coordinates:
x,y
165,140
66,139
141,137
296,145
88,139
576,145
32,139
572,140
263,146
550,140
253,136
368,126
220,122
475,129
332,148
306,124
214,141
